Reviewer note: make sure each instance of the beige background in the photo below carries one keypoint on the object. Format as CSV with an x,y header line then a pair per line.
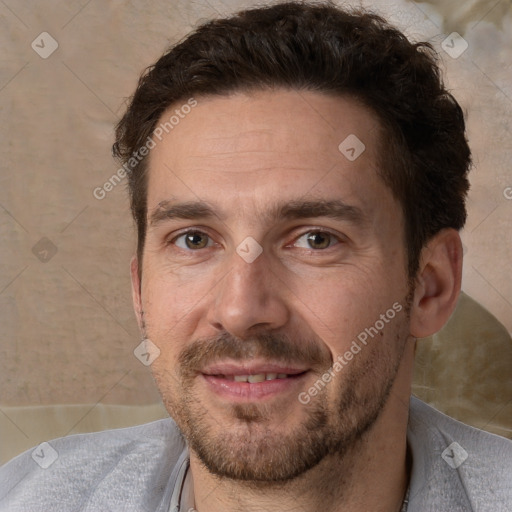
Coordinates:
x,y
68,331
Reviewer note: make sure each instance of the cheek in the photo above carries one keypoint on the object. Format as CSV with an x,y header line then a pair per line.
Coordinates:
x,y
173,309
162,313
169,302
342,306
332,295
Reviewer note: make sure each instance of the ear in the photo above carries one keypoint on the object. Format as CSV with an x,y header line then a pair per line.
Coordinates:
x,y
438,283
136,291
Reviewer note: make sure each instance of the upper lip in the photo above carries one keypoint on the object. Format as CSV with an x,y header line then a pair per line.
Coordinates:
x,y
251,368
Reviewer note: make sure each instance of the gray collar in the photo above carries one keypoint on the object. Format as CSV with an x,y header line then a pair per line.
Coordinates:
x,y
176,488
426,438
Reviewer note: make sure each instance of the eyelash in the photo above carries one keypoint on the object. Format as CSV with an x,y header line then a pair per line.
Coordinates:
x,y
323,231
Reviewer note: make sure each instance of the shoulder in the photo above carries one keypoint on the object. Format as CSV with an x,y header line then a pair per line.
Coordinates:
x,y
469,468
128,467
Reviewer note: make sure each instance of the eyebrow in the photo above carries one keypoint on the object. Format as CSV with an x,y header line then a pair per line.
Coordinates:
x,y
291,210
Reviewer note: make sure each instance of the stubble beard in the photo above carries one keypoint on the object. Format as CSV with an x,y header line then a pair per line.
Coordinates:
x,y
333,424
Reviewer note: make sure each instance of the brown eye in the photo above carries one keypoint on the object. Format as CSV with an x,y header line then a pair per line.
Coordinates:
x,y
316,240
319,240
193,240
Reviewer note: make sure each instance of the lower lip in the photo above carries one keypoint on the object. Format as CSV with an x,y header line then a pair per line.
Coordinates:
x,y
247,391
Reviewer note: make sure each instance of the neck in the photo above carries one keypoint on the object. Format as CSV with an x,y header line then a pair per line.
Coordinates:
x,y
372,475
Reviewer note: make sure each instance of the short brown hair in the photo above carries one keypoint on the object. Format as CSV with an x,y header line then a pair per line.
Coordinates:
x,y
320,47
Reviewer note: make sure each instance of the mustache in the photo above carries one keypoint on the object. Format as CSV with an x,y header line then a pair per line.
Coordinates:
x,y
277,347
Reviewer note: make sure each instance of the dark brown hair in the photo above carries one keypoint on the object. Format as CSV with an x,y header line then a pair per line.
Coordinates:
x,y
319,47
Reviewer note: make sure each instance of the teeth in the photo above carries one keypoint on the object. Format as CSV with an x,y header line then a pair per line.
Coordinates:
x,y
259,377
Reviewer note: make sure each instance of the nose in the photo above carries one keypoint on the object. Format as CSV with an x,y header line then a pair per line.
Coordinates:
x,y
250,298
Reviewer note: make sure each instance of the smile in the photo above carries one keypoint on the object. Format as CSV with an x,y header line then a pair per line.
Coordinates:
x,y
258,377
251,382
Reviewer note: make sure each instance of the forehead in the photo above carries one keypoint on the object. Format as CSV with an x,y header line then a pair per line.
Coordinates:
x,y
253,148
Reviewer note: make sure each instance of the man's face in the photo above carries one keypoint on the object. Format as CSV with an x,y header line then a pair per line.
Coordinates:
x,y
268,252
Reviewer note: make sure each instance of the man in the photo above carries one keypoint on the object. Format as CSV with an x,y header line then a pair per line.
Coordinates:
x,y
298,176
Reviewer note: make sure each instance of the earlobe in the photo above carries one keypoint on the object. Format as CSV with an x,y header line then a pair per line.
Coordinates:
x,y
136,290
438,283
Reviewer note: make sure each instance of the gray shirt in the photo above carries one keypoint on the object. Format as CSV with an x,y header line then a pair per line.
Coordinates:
x,y
454,468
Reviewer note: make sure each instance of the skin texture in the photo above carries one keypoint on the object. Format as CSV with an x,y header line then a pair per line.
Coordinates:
x,y
296,305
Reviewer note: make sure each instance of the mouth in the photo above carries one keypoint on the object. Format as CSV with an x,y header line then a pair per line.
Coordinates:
x,y
258,377
250,382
